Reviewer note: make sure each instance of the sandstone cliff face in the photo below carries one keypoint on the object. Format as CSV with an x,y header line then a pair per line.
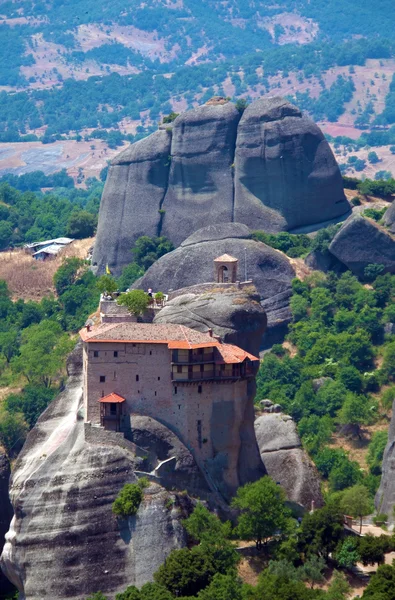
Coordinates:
x,y
5,512
192,263
64,541
385,497
270,168
361,242
286,461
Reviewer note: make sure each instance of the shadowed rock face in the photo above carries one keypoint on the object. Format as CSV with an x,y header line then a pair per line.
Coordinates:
x,y
389,218
270,168
362,242
5,511
385,497
192,263
286,461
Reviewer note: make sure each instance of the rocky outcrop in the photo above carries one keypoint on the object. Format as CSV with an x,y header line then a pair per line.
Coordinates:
x,y
270,168
5,512
234,315
134,192
362,242
385,497
63,529
286,461
192,263
389,218
285,173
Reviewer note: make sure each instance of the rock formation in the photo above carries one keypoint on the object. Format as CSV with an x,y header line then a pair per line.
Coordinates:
x,y
389,218
192,263
234,315
5,512
361,242
286,461
64,541
385,497
270,168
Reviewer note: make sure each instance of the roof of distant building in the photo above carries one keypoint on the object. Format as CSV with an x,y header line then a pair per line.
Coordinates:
x,y
226,258
52,249
62,241
112,399
175,336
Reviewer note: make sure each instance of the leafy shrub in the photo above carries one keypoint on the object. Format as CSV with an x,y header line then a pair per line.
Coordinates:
x,y
129,498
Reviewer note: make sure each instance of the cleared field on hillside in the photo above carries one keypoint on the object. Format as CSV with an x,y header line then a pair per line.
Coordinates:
x,y
30,279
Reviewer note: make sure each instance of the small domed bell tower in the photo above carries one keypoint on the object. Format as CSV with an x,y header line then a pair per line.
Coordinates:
x,y
225,269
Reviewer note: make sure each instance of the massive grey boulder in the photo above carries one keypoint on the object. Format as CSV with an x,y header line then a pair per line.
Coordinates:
x,y
200,189
285,173
5,512
64,541
132,198
234,315
361,242
389,218
271,169
286,461
385,497
192,263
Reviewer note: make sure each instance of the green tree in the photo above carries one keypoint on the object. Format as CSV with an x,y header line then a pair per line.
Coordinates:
x,y
262,510
129,275
13,431
381,585
321,531
9,343
312,570
223,587
347,554
373,158
68,273
355,412
42,354
135,301
388,367
81,224
339,588
97,596
147,250
5,234
129,499
357,503
376,451
185,572
106,284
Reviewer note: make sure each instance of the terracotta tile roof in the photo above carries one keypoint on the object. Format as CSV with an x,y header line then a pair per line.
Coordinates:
x,y
177,337
233,354
147,333
226,258
112,399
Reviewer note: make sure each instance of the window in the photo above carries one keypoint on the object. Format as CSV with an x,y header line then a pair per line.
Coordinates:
x,y
102,378
155,393
113,409
95,353
158,378
199,389
137,377
115,353
179,369
150,352
175,390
